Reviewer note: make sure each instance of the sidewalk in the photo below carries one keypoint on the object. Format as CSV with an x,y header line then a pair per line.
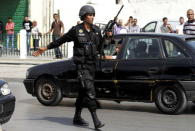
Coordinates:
x,y
30,60
12,68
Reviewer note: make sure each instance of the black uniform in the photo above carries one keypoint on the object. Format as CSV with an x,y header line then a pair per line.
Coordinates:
x,y
86,47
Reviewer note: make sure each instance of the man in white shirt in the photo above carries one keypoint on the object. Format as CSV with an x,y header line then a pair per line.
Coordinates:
x,y
134,28
179,28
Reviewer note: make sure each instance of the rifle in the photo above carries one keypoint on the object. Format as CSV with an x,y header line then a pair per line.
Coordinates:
x,y
109,28
111,23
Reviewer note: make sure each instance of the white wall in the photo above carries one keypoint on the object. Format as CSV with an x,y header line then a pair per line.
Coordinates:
x,y
144,10
42,12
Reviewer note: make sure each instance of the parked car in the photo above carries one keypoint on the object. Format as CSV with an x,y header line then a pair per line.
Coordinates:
x,y
149,67
154,26
7,102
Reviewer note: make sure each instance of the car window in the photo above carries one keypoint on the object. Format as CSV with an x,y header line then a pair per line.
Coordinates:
x,y
110,49
150,27
172,51
141,48
191,43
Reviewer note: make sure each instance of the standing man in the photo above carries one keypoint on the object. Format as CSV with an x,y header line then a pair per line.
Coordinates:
x,y
1,31
87,41
27,25
179,28
10,33
57,29
189,26
119,28
129,23
165,27
134,28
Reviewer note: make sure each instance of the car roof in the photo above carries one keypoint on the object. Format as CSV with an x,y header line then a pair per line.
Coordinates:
x,y
183,37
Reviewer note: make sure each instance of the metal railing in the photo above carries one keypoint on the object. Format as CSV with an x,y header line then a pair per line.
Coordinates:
x,y
43,42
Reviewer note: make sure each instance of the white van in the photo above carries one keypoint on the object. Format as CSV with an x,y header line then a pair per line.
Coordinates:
x,y
154,26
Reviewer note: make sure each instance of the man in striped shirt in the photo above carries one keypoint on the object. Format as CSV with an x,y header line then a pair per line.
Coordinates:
x,y
189,26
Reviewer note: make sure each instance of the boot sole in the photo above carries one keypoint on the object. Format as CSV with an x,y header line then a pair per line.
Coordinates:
x,y
80,124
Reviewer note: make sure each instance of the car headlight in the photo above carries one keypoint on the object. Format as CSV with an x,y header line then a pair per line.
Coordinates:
x,y
5,90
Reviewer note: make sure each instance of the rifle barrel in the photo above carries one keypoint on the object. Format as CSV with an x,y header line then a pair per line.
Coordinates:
x,y
118,12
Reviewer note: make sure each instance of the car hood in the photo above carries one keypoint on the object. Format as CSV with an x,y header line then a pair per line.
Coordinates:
x,y
54,68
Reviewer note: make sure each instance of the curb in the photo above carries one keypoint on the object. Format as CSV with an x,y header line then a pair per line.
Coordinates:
x,y
13,79
16,63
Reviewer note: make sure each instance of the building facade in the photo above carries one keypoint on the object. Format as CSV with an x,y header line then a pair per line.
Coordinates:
x,y
16,9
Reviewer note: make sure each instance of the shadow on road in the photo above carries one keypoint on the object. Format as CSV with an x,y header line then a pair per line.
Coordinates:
x,y
62,120
128,106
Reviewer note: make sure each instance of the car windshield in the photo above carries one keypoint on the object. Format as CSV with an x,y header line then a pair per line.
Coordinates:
x,y
191,43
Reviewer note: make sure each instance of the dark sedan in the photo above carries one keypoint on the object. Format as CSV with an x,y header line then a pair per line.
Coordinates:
x,y
149,67
7,102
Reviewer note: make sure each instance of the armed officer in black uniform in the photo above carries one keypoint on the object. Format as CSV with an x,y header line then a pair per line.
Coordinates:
x,y
87,43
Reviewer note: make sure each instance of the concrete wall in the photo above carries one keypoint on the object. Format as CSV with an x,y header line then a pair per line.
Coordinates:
x,y
42,12
144,10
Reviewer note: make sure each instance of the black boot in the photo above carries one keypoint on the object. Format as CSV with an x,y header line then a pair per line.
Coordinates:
x,y
78,120
96,121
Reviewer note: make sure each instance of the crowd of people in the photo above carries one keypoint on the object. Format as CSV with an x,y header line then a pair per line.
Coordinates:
x,y
129,27
182,28
57,29
32,31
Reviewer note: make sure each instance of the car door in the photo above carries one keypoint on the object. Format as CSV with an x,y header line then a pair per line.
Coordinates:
x,y
105,71
139,66
177,60
150,27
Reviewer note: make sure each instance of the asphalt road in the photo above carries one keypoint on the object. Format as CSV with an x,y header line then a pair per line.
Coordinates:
x,y
30,115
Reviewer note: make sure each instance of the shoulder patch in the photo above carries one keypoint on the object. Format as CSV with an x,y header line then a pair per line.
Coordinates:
x,y
80,31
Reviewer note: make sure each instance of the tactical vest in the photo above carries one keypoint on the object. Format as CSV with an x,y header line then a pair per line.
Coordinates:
x,y
85,49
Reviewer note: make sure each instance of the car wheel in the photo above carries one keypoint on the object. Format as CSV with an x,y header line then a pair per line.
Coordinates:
x,y
4,120
170,100
48,92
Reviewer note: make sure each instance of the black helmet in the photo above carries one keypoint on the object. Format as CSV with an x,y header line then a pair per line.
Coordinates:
x,y
86,9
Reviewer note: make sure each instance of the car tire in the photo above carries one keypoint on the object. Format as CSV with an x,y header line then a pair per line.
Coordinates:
x,y
5,119
170,99
48,92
